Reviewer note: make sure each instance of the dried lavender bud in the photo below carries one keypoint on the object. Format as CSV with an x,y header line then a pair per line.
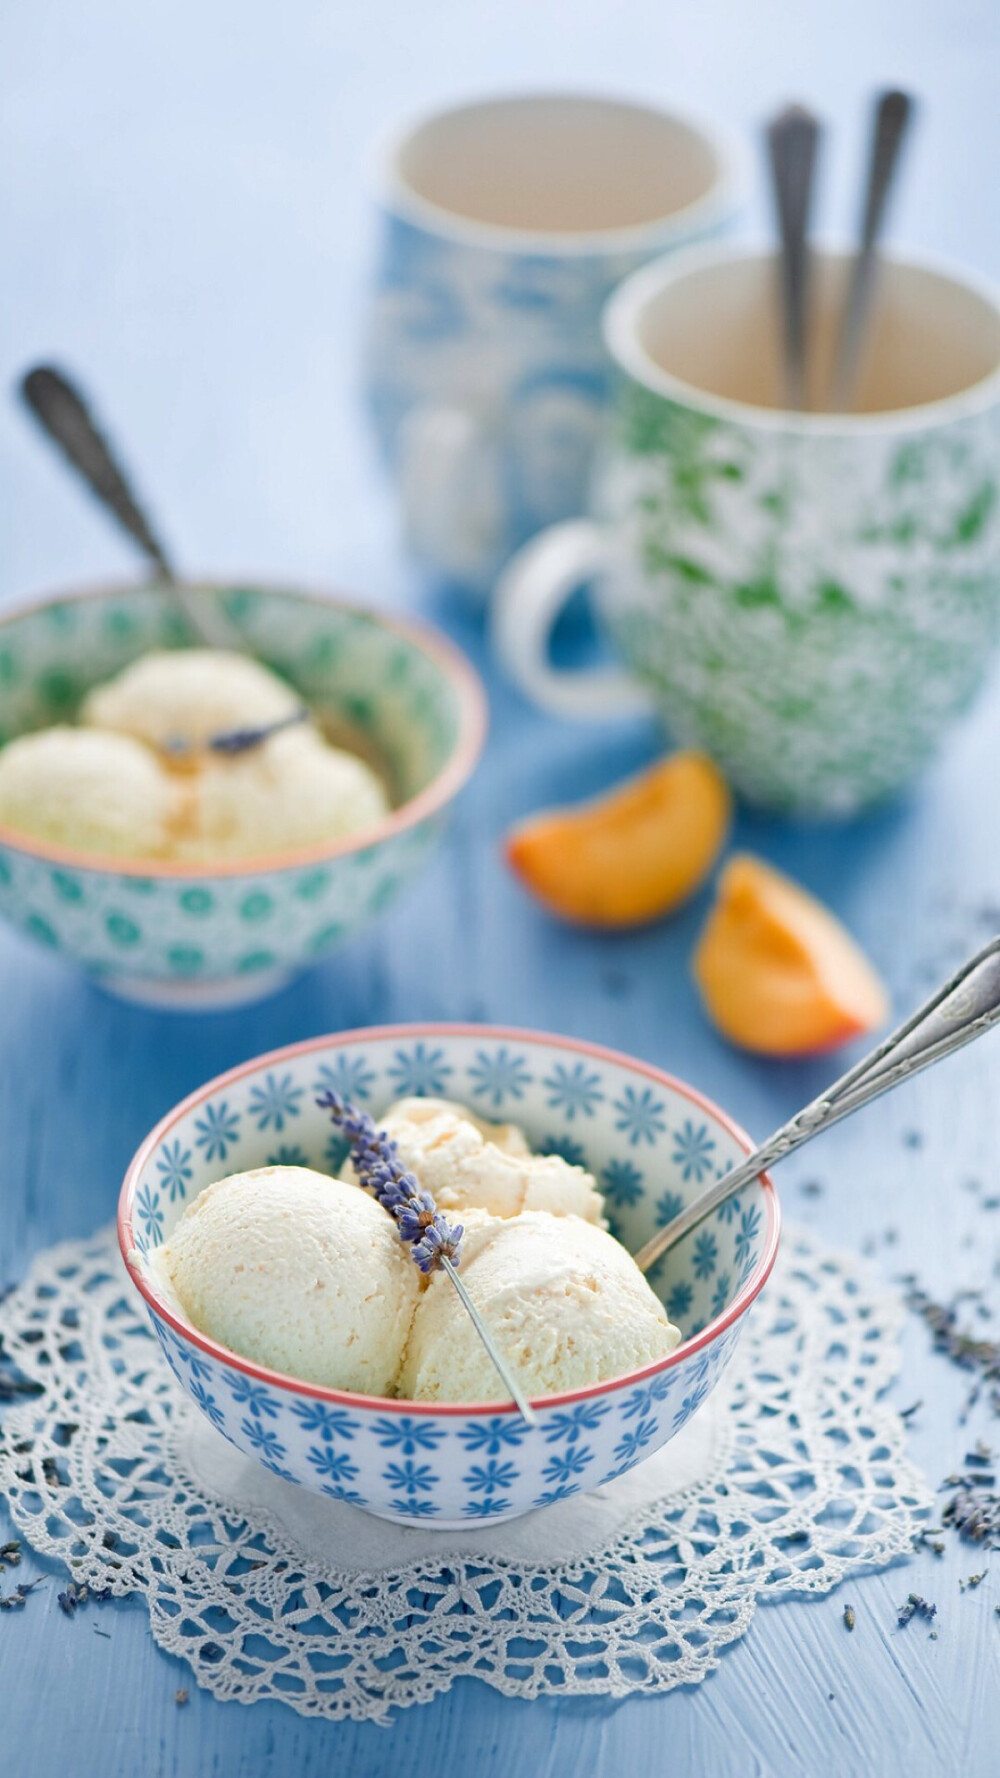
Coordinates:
x,y
849,1618
915,1606
376,1161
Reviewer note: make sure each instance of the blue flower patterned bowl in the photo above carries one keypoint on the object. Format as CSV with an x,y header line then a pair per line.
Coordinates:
x,y
193,936
653,1144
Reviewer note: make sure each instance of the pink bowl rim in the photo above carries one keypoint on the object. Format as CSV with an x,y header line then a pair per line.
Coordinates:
x,y
401,1033
442,789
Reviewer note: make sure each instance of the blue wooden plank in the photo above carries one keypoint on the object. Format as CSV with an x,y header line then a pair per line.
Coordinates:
x,y
184,218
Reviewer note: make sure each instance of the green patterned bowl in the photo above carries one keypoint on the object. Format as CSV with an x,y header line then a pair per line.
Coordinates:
x,y
179,935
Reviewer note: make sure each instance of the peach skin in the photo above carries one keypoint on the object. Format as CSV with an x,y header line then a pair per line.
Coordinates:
x,y
779,975
632,854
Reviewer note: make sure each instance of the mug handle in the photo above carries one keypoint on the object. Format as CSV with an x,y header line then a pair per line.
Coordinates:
x,y
527,599
451,490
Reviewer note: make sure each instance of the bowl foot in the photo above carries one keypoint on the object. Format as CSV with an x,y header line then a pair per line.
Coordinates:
x,y
194,996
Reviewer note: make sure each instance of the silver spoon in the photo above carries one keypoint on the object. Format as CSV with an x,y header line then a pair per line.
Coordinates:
x,y
893,112
792,141
63,415
963,1008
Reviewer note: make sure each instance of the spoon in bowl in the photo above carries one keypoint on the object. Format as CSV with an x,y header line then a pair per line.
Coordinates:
x,y
63,415
792,143
961,1009
893,113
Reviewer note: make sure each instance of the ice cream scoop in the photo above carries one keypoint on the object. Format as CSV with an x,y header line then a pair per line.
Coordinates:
x,y
563,1300
183,697
293,790
88,790
296,1271
468,1163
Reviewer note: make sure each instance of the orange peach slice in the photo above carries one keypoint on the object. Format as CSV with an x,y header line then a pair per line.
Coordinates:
x,y
777,972
632,854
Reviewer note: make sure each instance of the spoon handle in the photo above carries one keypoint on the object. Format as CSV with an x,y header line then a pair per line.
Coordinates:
x,y
792,140
960,1010
892,116
64,416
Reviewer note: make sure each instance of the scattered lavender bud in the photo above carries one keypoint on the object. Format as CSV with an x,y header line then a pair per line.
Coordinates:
x,y
849,1617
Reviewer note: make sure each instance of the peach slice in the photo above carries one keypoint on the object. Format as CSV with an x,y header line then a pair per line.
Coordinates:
x,y
777,972
632,854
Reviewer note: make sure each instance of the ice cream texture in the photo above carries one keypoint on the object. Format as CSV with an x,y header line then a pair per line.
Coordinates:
x,y
563,1300
297,1271
468,1163
307,1275
84,789
137,779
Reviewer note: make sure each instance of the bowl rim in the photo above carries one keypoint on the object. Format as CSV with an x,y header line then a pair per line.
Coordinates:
x,y
473,719
403,1032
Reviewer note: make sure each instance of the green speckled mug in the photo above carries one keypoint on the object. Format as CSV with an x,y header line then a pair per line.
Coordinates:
x,y
810,598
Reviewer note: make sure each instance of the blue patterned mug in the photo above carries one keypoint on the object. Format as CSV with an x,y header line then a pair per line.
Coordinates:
x,y
506,224
811,598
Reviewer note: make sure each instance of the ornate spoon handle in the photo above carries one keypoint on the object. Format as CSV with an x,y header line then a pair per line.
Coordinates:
x,y
961,1009
792,142
64,416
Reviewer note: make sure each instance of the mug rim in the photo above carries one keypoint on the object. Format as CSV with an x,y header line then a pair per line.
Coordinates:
x,y
636,291
720,202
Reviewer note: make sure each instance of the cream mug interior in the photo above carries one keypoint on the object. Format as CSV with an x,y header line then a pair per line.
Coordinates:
x,y
557,165
715,332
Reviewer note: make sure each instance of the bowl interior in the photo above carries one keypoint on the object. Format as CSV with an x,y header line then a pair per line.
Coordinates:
x,y
652,1143
373,686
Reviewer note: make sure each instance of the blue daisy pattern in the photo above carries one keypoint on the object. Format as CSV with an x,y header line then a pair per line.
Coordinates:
x,y
720,1295
690,1405
350,1076
574,1090
288,1154
408,1434
746,1234
416,1507
150,1215
487,1478
328,1422
562,1466
641,1116
488,1506
420,1073
730,1208
175,1170
642,1400
571,1151
705,1255
630,1447
349,1496
667,1207
275,1102
493,1434
208,1404
502,1075
679,1301
337,1466
413,1478
553,1495
253,1396
622,1182
694,1150
569,1423
264,1440
217,1130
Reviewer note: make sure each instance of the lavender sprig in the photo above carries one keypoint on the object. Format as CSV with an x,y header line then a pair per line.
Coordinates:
x,y
234,741
434,1242
376,1162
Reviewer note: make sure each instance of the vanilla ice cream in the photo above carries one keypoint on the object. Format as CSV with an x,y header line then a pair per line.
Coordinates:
x,y
184,696
299,1272
292,790
90,791
564,1301
467,1163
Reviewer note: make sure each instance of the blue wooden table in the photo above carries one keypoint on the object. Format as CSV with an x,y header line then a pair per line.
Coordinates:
x,y
184,218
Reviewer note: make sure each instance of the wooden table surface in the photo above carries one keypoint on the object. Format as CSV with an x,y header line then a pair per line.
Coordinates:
x,y
185,220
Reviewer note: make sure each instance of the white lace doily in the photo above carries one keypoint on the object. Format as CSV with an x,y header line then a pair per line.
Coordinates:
x,y
792,1477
